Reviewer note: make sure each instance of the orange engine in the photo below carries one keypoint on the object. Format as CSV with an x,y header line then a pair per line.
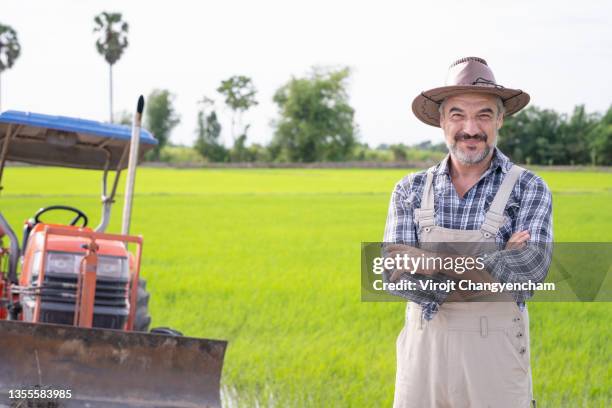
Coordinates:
x,y
68,269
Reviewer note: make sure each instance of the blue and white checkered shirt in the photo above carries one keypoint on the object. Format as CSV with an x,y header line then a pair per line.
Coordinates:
x,y
529,208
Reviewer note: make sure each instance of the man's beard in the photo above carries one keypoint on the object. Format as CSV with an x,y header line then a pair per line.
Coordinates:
x,y
467,157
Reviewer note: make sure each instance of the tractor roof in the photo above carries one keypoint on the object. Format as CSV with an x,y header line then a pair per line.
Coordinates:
x,y
68,142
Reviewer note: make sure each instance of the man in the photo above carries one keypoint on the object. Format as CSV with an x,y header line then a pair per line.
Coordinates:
x,y
473,353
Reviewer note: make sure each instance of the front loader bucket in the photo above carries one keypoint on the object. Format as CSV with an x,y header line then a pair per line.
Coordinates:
x,y
107,368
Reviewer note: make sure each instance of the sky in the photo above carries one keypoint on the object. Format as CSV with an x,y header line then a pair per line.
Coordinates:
x,y
559,52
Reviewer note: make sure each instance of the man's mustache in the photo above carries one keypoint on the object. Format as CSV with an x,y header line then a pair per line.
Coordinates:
x,y
465,136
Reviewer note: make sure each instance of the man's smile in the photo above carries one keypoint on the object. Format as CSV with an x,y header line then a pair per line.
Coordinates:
x,y
470,139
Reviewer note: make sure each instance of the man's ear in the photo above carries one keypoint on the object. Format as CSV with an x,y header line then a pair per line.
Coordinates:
x,y
500,120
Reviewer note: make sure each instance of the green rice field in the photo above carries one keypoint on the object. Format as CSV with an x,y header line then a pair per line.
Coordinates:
x,y
269,259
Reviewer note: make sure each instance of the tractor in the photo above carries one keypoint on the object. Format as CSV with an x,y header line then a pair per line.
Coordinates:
x,y
74,320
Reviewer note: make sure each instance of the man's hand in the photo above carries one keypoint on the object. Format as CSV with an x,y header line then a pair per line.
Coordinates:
x,y
392,250
517,240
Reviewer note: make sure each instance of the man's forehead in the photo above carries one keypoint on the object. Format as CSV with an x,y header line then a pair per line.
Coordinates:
x,y
471,100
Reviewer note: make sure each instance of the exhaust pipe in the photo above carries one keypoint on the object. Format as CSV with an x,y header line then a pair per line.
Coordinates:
x,y
133,162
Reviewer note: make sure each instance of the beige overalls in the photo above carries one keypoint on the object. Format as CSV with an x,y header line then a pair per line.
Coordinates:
x,y
471,354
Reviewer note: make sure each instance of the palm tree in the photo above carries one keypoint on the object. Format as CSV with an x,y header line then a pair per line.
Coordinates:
x,y
111,42
9,50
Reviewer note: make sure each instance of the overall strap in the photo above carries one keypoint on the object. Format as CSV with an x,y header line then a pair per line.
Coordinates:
x,y
424,216
494,218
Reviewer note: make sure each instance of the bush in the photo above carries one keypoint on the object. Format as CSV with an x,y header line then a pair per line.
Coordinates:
x,y
179,154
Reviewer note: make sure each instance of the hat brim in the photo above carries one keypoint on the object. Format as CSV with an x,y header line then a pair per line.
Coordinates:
x,y
426,105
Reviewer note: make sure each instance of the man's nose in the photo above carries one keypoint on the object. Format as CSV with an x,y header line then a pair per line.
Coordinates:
x,y
471,127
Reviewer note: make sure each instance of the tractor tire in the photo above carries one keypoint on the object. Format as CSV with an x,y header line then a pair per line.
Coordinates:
x,y
142,319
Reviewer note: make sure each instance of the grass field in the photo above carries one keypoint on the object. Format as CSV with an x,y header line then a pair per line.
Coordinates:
x,y
269,260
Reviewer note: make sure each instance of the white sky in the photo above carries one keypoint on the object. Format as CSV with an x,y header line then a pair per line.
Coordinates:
x,y
559,52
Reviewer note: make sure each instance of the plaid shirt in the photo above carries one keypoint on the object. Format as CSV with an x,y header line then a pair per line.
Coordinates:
x,y
529,208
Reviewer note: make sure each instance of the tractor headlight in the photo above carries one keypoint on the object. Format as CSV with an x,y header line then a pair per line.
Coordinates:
x,y
62,263
114,267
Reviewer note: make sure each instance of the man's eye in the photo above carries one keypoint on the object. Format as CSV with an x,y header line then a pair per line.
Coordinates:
x,y
485,117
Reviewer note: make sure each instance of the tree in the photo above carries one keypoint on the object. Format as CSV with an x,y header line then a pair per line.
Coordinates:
x,y
124,117
239,93
543,136
573,134
316,120
514,139
160,118
600,140
111,43
399,152
259,153
9,50
532,137
208,132
240,152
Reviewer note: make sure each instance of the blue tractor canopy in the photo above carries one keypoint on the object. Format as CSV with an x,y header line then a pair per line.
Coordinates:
x,y
67,142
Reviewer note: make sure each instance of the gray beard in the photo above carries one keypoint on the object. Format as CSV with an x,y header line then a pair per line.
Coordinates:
x,y
468,158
